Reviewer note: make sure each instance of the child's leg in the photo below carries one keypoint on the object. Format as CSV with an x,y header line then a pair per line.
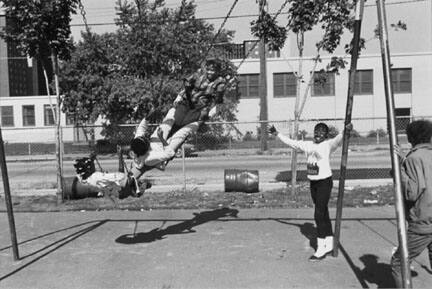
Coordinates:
x,y
166,124
181,135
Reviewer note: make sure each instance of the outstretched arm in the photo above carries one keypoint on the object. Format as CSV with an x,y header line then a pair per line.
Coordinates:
x,y
295,144
337,140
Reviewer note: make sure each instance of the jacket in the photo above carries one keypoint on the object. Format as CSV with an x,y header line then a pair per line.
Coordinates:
x,y
416,177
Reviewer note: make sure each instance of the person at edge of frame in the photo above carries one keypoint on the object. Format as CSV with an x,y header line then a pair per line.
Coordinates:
x,y
416,181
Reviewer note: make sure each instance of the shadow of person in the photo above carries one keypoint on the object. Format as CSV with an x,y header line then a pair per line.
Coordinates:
x,y
184,227
307,229
375,272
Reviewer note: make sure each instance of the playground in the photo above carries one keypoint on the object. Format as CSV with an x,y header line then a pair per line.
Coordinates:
x,y
221,248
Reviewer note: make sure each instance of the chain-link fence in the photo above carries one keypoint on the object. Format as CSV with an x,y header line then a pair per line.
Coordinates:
x,y
204,158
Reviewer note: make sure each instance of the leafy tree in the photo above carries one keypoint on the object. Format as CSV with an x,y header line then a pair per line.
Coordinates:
x,y
137,71
41,29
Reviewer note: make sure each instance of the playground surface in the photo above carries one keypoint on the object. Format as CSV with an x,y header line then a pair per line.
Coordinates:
x,y
221,248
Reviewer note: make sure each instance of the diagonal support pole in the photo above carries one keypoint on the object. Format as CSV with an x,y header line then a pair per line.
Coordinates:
x,y
348,113
399,200
8,199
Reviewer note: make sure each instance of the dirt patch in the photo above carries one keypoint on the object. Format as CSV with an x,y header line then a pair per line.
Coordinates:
x,y
196,199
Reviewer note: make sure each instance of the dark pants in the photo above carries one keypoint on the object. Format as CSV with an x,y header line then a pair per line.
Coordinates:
x,y
320,192
416,244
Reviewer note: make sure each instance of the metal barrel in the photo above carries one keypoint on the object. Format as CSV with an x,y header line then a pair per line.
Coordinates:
x,y
73,189
241,180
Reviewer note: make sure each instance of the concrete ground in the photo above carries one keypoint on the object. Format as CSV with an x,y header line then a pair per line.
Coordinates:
x,y
261,248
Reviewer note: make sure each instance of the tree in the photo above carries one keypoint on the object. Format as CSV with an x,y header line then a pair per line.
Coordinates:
x,y
41,30
137,71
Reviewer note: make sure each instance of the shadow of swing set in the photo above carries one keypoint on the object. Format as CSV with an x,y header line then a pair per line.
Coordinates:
x,y
399,205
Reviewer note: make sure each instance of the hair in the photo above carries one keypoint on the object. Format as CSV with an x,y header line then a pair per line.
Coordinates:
x,y
140,146
213,62
419,131
85,166
323,126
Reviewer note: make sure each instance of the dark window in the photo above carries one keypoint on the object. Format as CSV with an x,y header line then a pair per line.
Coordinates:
x,y
401,80
28,115
70,119
324,84
402,118
249,85
48,115
7,117
284,85
363,82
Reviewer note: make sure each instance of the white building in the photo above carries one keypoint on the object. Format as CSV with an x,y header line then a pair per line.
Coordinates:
x,y
24,118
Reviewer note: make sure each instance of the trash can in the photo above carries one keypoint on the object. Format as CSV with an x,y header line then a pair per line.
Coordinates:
x,y
237,180
73,189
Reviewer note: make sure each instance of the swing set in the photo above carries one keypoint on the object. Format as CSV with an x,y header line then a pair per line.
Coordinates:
x,y
385,56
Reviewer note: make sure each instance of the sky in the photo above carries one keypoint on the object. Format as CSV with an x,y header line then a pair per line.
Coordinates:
x,y
100,16
103,11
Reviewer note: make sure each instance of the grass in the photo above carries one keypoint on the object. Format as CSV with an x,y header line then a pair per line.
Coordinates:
x,y
196,199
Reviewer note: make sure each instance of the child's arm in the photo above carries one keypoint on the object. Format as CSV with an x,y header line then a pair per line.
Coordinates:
x,y
295,144
412,177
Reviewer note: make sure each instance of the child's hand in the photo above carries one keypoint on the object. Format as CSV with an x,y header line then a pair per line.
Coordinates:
x,y
349,127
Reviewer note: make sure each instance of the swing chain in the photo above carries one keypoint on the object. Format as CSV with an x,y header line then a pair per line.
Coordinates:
x,y
83,14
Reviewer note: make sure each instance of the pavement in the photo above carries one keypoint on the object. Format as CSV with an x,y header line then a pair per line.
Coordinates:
x,y
222,248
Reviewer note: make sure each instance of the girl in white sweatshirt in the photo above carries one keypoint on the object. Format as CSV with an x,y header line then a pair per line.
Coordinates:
x,y
321,183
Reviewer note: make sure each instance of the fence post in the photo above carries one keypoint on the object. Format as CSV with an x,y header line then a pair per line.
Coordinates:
x,y
184,168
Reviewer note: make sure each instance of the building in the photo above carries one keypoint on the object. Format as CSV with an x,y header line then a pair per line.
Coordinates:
x,y
411,57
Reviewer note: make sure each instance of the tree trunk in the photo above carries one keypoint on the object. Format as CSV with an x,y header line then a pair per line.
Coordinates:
x,y
300,41
59,158
263,89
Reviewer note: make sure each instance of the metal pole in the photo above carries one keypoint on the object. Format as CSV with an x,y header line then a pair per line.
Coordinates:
x,y
184,168
263,86
8,199
399,205
348,113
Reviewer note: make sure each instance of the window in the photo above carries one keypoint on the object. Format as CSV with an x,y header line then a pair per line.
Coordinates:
x,y
28,115
7,117
324,84
401,80
70,119
402,118
48,115
284,85
363,83
249,85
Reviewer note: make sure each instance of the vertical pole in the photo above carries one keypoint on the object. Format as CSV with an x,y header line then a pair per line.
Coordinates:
x,y
8,199
263,85
120,159
348,113
59,193
184,168
399,205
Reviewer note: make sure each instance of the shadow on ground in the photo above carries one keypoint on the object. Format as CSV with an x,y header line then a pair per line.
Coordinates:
x,y
184,227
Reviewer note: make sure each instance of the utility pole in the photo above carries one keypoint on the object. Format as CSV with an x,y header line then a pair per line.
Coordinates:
x,y
263,85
